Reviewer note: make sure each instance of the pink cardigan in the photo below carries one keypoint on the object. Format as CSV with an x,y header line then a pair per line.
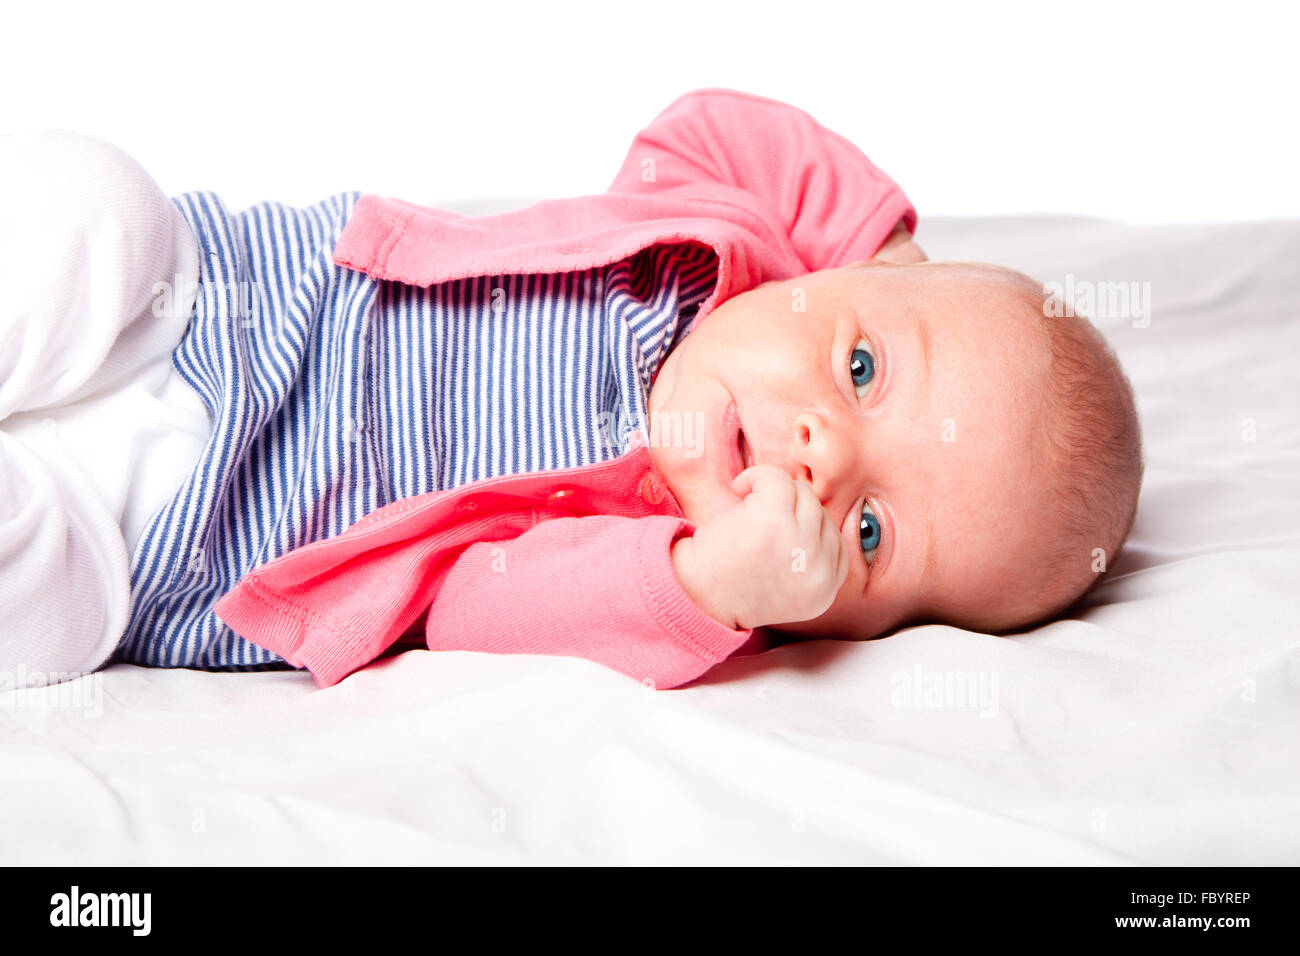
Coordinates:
x,y
573,561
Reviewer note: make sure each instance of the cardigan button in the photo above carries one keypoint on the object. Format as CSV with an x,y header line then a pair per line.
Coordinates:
x,y
652,487
560,497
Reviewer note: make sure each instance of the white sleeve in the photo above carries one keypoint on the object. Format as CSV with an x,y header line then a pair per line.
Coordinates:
x,y
85,234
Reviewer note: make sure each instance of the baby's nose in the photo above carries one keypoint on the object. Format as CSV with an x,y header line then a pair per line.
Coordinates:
x,y
821,456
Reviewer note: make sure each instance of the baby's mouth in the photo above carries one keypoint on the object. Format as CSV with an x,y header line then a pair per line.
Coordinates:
x,y
746,459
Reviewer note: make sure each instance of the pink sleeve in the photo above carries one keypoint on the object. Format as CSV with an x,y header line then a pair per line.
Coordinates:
x,y
830,201
600,587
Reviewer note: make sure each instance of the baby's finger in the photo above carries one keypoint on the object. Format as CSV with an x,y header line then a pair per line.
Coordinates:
x,y
769,482
808,510
743,483
843,555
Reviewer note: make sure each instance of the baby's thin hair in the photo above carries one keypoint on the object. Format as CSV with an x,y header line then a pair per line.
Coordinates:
x,y
1095,462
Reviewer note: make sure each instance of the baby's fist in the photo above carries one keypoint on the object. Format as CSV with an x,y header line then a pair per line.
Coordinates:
x,y
775,556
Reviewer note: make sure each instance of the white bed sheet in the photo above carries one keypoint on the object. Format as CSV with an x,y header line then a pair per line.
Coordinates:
x,y
1158,726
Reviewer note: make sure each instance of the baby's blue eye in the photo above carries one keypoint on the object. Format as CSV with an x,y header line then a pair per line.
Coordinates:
x,y
869,532
861,365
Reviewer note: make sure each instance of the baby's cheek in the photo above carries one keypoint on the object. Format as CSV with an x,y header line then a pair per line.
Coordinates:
x,y
862,623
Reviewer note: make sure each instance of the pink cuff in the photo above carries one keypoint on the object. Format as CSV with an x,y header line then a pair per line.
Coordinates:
x,y
668,602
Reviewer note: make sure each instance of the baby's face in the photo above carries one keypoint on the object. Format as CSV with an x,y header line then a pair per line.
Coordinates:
x,y
907,394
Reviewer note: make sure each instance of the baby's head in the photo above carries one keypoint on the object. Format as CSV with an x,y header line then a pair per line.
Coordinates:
x,y
990,446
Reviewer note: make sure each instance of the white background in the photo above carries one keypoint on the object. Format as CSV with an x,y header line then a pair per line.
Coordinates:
x,y
1143,113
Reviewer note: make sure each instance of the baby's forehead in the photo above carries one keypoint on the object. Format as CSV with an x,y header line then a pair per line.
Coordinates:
x,y
1000,282
961,299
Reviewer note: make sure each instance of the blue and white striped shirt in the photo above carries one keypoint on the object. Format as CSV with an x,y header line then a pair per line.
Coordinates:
x,y
333,394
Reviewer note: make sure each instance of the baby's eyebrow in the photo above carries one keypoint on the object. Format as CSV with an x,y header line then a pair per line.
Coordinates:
x,y
923,334
931,563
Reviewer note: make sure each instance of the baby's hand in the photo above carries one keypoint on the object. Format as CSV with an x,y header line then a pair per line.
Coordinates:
x,y
900,248
774,557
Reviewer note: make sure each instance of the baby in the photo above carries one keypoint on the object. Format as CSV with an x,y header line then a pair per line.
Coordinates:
x,y
882,440
934,445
